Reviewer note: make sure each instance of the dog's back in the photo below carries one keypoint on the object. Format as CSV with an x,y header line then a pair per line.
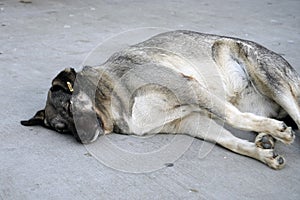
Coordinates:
x,y
222,65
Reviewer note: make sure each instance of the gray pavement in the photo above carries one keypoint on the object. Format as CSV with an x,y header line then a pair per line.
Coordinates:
x,y
39,39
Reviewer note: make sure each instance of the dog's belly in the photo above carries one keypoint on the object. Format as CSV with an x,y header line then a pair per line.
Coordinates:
x,y
252,101
243,94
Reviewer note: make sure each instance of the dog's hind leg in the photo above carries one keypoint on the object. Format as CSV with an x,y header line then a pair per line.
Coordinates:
x,y
269,73
254,150
279,81
252,122
286,95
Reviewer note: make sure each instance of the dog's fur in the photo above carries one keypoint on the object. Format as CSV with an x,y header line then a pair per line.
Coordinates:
x,y
170,82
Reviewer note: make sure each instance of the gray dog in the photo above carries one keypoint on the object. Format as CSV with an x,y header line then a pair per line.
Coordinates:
x,y
175,82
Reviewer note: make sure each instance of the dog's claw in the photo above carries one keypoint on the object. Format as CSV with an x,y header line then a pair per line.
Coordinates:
x,y
284,133
293,134
284,126
280,160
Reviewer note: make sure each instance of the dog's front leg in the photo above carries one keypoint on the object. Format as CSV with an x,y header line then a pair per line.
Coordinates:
x,y
230,115
255,150
217,134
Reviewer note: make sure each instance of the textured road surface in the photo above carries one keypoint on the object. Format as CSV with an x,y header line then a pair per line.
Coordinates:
x,y
39,39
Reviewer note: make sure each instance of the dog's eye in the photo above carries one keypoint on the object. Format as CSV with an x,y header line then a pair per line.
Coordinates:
x,y
68,107
56,88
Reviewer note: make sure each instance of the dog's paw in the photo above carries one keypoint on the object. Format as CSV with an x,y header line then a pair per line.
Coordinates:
x,y
272,159
264,141
283,133
276,162
288,135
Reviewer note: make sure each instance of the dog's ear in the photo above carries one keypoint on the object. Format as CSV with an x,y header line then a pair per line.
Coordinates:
x,y
64,80
37,119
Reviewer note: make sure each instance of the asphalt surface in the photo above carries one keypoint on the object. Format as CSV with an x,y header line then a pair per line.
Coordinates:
x,y
40,38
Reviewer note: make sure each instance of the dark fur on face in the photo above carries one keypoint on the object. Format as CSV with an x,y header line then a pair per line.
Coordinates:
x,y
57,114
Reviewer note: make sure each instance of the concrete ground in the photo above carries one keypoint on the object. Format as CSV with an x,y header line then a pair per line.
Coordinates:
x,y
39,39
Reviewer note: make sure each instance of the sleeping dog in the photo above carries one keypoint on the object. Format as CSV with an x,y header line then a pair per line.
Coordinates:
x,y
171,82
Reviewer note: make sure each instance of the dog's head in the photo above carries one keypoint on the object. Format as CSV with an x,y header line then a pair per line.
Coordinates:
x,y
69,110
67,107
57,114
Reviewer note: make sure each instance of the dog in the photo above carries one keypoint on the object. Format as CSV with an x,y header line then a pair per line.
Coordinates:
x,y
171,82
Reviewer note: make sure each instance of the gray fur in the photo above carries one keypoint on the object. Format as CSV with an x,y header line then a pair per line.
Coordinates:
x,y
176,78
